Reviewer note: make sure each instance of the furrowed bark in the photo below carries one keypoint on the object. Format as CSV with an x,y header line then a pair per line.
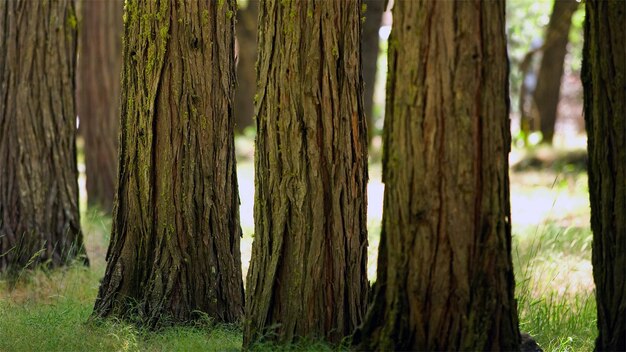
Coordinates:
x,y
307,276
39,217
174,251
604,83
445,277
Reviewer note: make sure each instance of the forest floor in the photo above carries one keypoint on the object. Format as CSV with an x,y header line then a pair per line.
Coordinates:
x,y
49,310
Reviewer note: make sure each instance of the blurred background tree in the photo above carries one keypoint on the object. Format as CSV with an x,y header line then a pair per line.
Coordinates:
x,y
98,95
245,53
545,34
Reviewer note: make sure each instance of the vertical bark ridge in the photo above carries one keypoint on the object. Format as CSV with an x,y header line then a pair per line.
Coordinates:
x,y
307,276
445,276
175,244
39,217
604,82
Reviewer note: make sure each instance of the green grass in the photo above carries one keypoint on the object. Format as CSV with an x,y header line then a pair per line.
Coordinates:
x,y
555,298
50,310
62,324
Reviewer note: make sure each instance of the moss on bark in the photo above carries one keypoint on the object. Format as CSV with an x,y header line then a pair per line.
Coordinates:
x,y
174,251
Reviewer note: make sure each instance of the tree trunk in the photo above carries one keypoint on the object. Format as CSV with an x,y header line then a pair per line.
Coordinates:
x,y
174,248
445,277
246,28
604,82
307,275
98,97
39,217
546,94
369,49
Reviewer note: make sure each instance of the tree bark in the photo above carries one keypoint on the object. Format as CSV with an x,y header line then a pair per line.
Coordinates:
x,y
546,94
174,248
99,68
445,277
246,29
604,83
369,53
39,217
307,275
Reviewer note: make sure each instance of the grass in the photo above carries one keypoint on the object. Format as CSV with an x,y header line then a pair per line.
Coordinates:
x,y
49,310
61,324
555,297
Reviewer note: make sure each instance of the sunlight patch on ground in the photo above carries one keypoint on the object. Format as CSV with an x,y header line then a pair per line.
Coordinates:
x,y
561,274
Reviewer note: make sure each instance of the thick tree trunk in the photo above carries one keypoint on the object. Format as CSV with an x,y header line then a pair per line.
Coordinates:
x,y
445,277
604,82
546,94
307,275
174,247
98,95
39,218
369,49
246,28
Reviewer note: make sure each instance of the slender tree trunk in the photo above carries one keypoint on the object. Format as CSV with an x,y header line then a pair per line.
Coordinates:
x,y
98,97
604,82
174,247
546,94
369,49
307,275
246,28
39,218
445,277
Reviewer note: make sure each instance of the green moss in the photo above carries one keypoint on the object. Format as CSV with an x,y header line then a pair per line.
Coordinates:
x,y
164,32
394,43
72,21
205,17
151,59
229,14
